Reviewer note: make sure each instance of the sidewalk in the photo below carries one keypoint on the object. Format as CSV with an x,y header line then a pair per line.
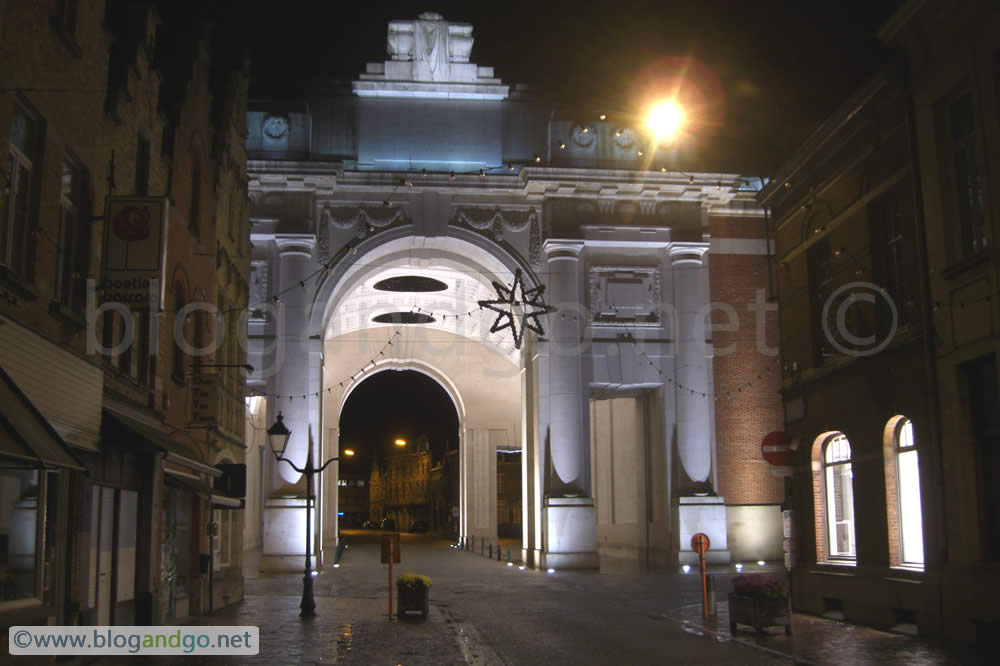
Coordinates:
x,y
345,630
820,641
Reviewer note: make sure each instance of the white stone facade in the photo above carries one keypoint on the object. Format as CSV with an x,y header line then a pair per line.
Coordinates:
x,y
622,254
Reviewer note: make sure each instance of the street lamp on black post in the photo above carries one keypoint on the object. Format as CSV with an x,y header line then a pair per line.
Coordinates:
x,y
277,437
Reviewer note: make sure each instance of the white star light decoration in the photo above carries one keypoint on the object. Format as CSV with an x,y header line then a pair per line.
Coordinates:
x,y
531,305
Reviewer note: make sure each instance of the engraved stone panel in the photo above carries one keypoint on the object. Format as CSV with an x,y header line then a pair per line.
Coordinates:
x,y
625,295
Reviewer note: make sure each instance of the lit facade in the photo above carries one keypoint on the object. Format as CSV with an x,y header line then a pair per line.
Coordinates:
x,y
638,424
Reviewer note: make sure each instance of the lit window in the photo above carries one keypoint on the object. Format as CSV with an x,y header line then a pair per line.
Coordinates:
x,y
839,492
903,495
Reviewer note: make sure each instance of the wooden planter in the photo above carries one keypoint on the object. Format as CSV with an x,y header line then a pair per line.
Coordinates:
x,y
759,613
412,598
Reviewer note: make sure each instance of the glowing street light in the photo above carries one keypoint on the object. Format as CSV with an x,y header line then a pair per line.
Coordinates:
x,y
400,442
348,452
665,120
277,438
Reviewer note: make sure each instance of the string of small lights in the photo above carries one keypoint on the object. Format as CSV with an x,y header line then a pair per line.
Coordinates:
x,y
347,381
670,380
630,338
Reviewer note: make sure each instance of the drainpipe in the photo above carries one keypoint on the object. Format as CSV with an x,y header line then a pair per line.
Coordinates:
x,y
927,311
768,253
211,556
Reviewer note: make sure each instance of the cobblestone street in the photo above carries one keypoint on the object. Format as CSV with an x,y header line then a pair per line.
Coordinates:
x,y
484,612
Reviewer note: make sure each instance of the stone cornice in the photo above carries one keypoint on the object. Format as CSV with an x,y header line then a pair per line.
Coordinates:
x,y
295,244
563,248
688,253
719,192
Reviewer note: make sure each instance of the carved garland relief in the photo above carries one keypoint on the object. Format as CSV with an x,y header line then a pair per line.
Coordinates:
x,y
362,220
497,221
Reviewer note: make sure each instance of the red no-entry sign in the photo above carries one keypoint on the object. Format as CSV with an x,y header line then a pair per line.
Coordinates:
x,y
700,543
777,448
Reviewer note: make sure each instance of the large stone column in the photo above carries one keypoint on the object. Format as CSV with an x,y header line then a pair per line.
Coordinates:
x,y
533,407
698,507
570,523
298,363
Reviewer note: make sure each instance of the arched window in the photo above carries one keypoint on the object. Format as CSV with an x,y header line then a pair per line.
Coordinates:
x,y
834,497
902,489
839,497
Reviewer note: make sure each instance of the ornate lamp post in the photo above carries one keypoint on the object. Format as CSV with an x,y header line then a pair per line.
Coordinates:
x,y
277,437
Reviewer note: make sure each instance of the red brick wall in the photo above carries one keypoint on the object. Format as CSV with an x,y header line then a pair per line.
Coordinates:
x,y
746,369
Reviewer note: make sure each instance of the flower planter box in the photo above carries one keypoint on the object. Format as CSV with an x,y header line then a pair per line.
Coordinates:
x,y
759,613
412,598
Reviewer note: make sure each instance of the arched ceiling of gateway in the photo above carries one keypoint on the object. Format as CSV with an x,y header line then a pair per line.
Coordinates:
x,y
439,280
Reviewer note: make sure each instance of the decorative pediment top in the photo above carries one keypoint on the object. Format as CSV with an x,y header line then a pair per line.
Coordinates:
x,y
429,57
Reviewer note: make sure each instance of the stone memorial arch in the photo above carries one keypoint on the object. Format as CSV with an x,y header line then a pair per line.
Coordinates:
x,y
429,167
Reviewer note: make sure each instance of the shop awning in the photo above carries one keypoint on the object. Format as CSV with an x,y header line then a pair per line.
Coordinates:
x,y
25,435
118,426
226,502
186,483
202,489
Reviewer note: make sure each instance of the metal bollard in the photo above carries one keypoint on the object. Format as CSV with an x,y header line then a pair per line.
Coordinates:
x,y
491,551
508,554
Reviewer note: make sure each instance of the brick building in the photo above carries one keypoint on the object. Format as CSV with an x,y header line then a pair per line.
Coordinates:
x,y
402,487
952,73
854,364
97,359
892,396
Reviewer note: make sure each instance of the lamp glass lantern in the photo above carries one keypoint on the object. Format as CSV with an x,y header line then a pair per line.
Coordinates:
x,y
277,436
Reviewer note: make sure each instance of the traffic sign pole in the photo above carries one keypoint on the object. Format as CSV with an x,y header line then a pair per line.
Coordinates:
x,y
700,544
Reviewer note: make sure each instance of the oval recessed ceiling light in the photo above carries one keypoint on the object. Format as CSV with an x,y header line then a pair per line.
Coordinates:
x,y
403,318
419,283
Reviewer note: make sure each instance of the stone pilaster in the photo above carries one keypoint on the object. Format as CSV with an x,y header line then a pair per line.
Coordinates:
x,y
569,520
697,507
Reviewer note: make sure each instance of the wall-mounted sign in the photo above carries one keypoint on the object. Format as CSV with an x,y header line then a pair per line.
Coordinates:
x,y
204,398
778,449
134,252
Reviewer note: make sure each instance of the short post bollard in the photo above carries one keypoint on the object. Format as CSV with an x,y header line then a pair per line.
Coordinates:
x,y
491,551
508,554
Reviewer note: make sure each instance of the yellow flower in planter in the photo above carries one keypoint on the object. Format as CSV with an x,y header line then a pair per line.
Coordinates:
x,y
414,581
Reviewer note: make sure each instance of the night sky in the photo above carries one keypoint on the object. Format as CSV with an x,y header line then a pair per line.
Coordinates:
x,y
766,71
